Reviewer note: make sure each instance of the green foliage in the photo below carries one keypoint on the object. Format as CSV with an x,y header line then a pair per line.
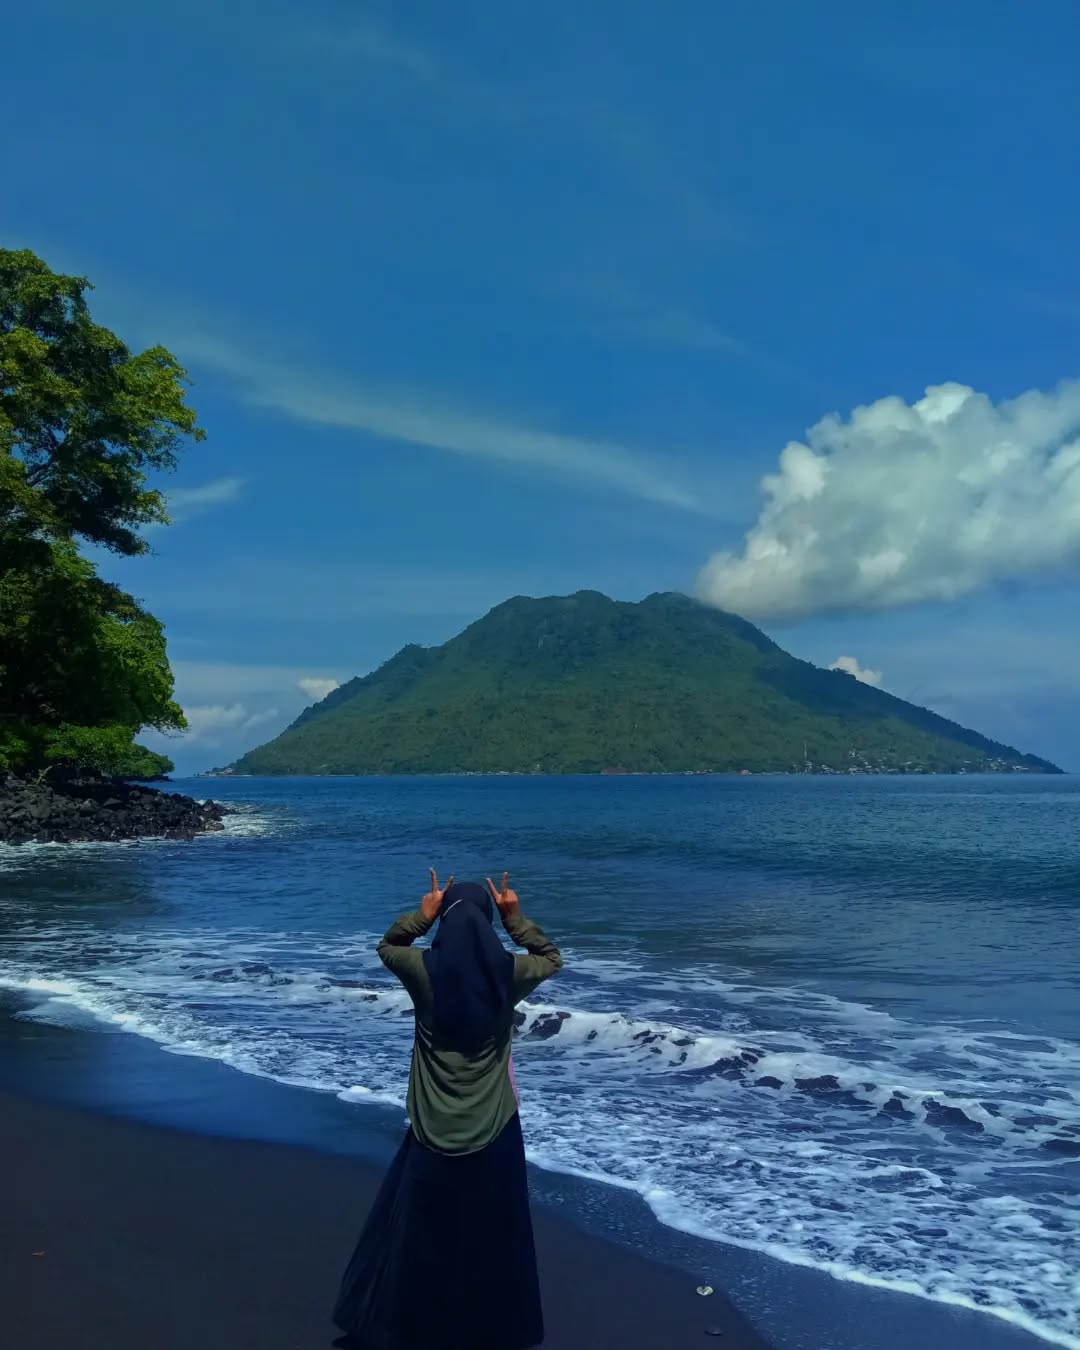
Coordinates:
x,y
19,747
83,420
75,649
26,749
108,749
139,762
582,683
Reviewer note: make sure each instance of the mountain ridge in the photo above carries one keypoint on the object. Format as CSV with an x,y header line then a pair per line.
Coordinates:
x,y
583,684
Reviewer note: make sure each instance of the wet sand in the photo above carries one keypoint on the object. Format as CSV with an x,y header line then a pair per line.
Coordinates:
x,y
155,1237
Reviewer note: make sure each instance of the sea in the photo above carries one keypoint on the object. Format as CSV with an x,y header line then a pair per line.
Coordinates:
x,y
835,1021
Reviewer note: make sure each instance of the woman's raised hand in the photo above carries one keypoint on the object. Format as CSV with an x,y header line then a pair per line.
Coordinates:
x,y
432,902
504,897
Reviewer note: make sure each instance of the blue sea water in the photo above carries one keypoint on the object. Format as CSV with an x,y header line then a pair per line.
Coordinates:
x,y
834,1020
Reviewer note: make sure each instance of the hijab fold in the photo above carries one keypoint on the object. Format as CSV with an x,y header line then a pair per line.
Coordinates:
x,y
471,972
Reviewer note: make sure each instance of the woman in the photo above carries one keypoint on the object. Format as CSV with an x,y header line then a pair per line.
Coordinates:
x,y
446,1259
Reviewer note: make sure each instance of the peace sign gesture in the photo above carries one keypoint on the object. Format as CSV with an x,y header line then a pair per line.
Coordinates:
x,y
504,898
432,902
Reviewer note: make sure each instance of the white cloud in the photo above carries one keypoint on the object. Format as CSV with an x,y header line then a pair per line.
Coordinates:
x,y
415,419
213,724
230,708
902,504
186,502
317,688
221,682
850,666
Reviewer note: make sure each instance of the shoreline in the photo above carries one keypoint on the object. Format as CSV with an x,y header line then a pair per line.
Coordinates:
x,y
1009,772
95,1080
792,1276
118,1234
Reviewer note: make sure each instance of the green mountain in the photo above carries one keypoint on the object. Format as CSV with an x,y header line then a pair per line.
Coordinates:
x,y
581,683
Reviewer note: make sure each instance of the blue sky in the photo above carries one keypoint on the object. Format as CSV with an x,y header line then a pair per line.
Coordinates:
x,y
489,299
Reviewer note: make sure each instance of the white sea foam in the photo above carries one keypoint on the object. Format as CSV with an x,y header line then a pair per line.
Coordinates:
x,y
846,1139
243,822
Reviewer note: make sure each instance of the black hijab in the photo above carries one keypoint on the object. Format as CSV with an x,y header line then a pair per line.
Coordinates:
x,y
469,968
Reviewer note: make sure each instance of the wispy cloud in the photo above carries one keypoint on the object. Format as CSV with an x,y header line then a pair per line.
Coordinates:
x,y
186,502
672,327
217,724
625,138
413,416
613,309
616,309
620,136
360,40
415,419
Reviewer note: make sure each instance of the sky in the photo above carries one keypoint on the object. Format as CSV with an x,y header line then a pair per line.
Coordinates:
x,y
778,305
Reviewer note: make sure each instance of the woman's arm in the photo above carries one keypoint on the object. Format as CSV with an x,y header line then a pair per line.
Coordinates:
x,y
396,950
544,958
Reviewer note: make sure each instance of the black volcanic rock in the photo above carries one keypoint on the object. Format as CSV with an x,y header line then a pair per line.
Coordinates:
x,y
69,805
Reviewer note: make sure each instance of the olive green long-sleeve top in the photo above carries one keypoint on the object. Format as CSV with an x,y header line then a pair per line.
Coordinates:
x,y
460,1103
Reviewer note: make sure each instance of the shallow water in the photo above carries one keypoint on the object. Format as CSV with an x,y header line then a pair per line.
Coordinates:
x,y
833,1020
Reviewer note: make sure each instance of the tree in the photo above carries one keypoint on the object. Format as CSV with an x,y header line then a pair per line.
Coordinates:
x,y
83,422
76,649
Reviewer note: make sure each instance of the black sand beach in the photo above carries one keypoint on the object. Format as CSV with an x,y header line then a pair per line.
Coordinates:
x,y
162,1226
117,1235
184,1206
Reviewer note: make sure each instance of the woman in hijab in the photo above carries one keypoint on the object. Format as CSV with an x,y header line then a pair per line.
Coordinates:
x,y
446,1258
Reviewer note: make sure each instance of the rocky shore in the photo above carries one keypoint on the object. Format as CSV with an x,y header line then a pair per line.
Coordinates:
x,y
68,805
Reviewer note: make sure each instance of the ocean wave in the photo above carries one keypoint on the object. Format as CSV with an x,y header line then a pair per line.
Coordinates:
x,y
849,1140
654,1047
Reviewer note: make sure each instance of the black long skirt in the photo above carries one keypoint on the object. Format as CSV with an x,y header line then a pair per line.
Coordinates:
x,y
446,1259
